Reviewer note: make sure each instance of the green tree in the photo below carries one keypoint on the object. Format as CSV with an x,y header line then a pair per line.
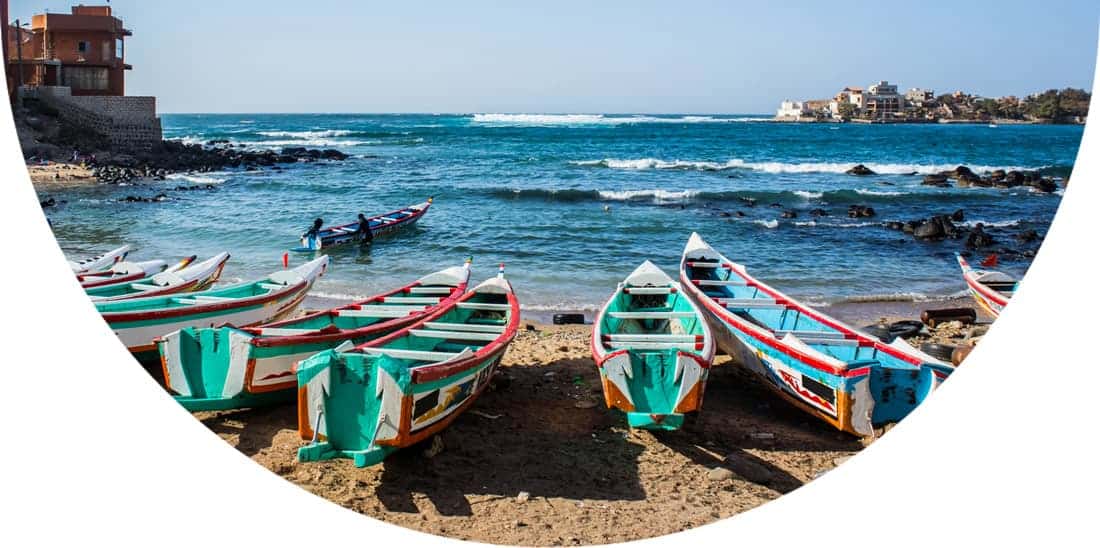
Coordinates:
x,y
846,111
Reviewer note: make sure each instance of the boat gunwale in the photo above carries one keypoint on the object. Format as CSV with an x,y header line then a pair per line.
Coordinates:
x,y
970,276
397,222
602,355
204,280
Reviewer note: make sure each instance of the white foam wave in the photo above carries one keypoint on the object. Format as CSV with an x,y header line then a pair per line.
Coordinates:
x,y
206,179
836,225
319,142
782,167
656,194
994,224
869,192
597,119
774,223
809,195
316,134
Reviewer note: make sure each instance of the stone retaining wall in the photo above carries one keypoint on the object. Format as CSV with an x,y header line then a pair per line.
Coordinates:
x,y
128,123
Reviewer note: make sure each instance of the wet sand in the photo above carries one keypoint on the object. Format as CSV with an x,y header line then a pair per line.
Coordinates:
x,y
539,460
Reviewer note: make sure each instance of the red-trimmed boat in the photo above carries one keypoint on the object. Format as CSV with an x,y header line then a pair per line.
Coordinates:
x,y
990,289
849,379
380,225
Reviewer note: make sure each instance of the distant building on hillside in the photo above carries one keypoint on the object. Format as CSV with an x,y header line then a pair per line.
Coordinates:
x,y
883,100
792,110
918,97
83,50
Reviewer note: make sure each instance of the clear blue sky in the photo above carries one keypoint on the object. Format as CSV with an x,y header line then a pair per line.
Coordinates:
x,y
570,56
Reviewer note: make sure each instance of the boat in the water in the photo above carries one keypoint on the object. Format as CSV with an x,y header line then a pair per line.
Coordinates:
x,y
847,378
380,225
365,402
654,349
139,322
100,262
195,277
990,289
212,368
126,271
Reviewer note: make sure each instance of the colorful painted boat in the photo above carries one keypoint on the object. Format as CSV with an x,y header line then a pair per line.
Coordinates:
x,y
991,289
125,272
196,277
653,348
230,367
849,379
100,262
380,225
139,322
366,402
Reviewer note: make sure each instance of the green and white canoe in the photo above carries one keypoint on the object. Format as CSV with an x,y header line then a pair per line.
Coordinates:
x,y
654,350
139,322
195,277
365,402
212,368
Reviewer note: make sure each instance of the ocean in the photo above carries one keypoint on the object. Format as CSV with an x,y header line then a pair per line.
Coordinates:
x,y
572,203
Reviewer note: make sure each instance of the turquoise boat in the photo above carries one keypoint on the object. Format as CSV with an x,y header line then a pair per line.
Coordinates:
x,y
213,368
365,402
654,349
139,322
849,379
195,277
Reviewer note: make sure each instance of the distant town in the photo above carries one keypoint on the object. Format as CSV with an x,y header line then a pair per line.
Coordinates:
x,y
883,103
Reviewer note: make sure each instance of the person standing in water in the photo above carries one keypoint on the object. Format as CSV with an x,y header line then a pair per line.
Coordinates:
x,y
313,235
363,234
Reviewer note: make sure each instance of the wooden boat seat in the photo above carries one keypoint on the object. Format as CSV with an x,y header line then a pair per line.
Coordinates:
x,y
430,290
460,335
652,345
418,355
380,312
650,315
271,287
411,300
484,306
387,219
145,287
340,230
719,282
446,326
1001,286
649,290
651,337
704,264
749,303
485,321
284,331
211,298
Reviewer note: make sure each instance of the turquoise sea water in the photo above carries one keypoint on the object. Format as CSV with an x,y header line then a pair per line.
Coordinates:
x,y
572,203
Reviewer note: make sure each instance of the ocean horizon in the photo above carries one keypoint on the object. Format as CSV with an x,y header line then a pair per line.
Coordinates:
x,y
572,202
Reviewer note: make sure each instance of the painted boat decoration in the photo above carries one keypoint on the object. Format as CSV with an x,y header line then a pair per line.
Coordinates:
x,y
100,262
196,277
228,367
846,378
380,225
991,289
139,322
654,349
125,272
366,402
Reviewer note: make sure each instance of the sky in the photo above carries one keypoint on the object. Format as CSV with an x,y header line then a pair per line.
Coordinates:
x,y
571,56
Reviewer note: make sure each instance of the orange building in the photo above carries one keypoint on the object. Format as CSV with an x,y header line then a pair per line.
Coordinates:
x,y
83,50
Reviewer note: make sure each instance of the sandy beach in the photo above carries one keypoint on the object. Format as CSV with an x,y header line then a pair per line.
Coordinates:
x,y
539,460
59,172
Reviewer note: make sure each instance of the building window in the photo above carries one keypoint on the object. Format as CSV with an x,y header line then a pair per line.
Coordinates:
x,y
118,48
82,47
86,78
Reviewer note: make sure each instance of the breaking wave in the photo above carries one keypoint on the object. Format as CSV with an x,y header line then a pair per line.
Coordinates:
x,y
603,119
735,198
781,167
205,179
318,134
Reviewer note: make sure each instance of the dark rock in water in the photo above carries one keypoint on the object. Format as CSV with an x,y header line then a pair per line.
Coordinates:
x,y
929,230
894,225
910,227
1027,236
1013,178
860,211
1046,184
48,202
776,205
740,213
789,214
963,171
861,170
968,179
958,216
725,214
935,180
997,175
217,142
333,154
978,238
819,213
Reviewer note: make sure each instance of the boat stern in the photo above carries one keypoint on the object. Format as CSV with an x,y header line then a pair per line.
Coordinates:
x,y
206,368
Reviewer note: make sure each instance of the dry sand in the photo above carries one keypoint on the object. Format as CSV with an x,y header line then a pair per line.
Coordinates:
x,y
539,460
60,172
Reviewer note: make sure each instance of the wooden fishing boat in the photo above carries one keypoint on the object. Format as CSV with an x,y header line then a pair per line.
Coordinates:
x,y
653,348
100,262
125,272
196,277
365,402
139,322
380,225
991,289
849,379
230,367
